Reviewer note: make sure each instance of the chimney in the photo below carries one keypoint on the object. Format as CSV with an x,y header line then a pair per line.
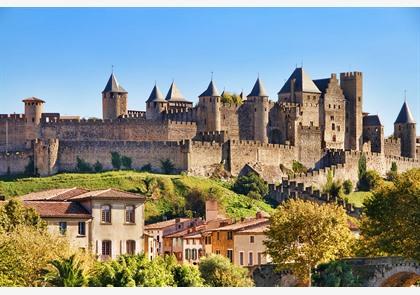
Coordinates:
x,y
211,210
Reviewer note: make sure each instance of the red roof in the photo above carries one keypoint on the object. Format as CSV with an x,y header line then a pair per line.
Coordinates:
x,y
59,209
166,223
33,99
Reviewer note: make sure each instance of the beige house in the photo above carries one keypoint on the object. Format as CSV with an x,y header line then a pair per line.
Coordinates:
x,y
108,222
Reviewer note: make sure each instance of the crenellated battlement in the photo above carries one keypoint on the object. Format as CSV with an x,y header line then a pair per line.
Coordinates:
x,y
18,117
259,144
350,75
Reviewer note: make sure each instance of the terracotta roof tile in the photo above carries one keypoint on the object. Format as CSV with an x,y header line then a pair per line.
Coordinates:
x,y
108,194
166,223
58,209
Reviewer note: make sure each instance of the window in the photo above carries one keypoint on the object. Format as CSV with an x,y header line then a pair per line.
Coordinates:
x,y
250,258
131,247
229,235
106,214
229,254
106,248
251,239
359,98
129,214
332,118
241,258
187,254
207,240
334,138
333,126
62,227
218,236
194,254
218,252
338,128
82,228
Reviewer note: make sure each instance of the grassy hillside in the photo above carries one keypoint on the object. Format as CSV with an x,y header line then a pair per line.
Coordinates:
x,y
166,193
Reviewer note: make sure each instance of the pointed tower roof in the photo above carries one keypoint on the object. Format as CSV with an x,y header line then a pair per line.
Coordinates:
x,y
174,94
405,115
258,89
113,85
156,95
303,83
211,90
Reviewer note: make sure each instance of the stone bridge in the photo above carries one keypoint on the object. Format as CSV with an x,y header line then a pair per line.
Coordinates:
x,y
372,272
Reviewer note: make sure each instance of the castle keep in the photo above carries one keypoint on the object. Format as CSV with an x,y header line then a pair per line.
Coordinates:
x,y
319,123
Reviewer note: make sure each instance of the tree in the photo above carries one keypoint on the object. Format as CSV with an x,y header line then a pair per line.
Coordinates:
x,y
25,252
98,167
66,272
252,185
335,274
167,166
116,160
146,168
187,276
392,220
393,173
371,180
304,234
14,214
231,98
195,201
126,162
218,271
347,186
83,166
298,167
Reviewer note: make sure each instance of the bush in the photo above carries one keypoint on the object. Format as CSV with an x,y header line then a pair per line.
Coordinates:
x,y
298,167
393,173
195,202
218,271
83,166
126,162
251,185
370,181
347,186
335,274
116,160
167,166
98,167
146,168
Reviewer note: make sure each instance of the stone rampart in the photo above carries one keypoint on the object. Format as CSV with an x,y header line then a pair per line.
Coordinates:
x,y
14,163
392,146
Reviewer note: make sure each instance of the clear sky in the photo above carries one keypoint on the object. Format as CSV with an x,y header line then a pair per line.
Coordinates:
x,y
64,56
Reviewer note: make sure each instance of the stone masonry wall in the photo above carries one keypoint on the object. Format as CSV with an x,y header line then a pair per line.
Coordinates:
x,y
392,146
14,162
15,132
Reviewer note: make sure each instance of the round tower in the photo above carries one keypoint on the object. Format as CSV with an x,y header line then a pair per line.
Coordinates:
x,y
405,129
34,107
114,99
261,103
155,104
209,106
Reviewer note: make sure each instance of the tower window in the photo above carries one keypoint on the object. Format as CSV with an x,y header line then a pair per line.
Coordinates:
x,y
334,138
360,98
332,118
333,126
329,106
338,128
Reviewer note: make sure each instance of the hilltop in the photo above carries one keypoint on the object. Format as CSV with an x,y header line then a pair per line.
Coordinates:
x,y
167,194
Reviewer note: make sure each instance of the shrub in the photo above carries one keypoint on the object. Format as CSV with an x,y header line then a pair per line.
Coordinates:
x,y
83,166
146,168
347,186
370,181
126,162
251,183
116,160
98,167
167,166
335,274
393,173
298,167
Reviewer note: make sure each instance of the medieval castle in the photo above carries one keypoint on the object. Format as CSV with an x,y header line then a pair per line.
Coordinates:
x,y
319,123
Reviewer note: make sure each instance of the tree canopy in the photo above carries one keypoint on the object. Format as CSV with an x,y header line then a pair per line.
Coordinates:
x,y
392,221
251,185
13,214
304,234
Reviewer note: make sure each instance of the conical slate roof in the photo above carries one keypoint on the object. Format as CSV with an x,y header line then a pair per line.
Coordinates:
x,y
405,115
174,94
210,91
258,89
113,86
303,83
156,95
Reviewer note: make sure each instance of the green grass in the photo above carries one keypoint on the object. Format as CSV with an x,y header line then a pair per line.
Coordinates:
x,y
166,193
357,198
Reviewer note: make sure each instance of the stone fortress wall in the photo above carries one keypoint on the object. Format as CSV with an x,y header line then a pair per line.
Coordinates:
x,y
307,124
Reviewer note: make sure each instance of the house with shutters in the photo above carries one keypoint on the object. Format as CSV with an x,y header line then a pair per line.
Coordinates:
x,y
107,222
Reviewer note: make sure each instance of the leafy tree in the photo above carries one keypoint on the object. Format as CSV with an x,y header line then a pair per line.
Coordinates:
x,y
83,166
362,172
146,168
298,167
218,271
116,160
347,186
195,201
187,276
371,180
231,98
251,185
66,272
126,162
98,167
13,214
167,166
304,234
335,274
392,220
25,252
393,173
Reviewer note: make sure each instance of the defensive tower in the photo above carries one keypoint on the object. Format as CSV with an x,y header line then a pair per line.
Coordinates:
x,y
405,128
114,99
34,107
209,108
259,98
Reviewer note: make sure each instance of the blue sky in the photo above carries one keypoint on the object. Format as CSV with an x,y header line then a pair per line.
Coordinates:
x,y
64,55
